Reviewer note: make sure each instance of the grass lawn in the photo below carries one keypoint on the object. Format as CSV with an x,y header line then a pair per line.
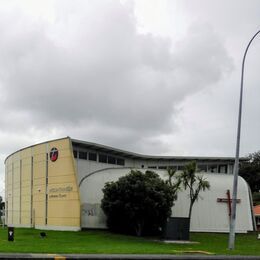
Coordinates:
x,y
102,242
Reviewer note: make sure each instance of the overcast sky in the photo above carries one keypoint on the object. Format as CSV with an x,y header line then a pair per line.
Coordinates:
x,y
148,76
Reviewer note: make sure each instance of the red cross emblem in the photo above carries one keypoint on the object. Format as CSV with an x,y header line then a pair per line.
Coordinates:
x,y
228,200
54,154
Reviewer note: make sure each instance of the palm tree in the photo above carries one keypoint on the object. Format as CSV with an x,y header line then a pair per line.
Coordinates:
x,y
175,185
194,183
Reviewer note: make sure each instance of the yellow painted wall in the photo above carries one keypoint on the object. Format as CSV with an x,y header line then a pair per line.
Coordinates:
x,y
16,189
26,173
63,193
9,190
40,192
39,183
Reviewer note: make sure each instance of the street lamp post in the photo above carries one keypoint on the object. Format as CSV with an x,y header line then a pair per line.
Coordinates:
x,y
231,243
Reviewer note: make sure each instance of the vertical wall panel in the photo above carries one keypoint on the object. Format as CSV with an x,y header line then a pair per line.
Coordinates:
x,y
26,187
40,192
39,170
16,189
9,191
63,188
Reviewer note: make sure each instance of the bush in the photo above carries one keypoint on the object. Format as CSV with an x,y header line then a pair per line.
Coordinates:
x,y
250,171
138,203
256,198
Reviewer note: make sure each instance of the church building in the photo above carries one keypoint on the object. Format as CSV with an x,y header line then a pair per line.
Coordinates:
x,y
58,185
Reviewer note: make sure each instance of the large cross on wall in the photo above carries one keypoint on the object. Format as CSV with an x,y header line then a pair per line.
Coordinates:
x,y
228,200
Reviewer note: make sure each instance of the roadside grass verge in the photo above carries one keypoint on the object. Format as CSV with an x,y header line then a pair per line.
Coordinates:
x,y
104,242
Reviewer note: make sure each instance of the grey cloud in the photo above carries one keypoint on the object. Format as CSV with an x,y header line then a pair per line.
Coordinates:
x,y
202,57
232,17
92,67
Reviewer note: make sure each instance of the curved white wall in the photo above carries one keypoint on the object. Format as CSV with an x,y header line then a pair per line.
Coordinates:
x,y
208,215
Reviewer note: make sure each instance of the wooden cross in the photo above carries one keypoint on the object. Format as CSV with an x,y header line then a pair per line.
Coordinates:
x,y
228,200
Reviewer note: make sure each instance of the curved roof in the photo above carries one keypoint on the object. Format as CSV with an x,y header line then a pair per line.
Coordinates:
x,y
216,218
119,152
30,146
123,153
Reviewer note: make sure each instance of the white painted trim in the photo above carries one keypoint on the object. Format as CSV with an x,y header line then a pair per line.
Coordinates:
x,y
19,225
59,228
218,230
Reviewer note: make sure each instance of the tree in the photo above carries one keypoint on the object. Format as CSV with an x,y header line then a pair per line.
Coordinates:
x,y
250,171
256,198
175,185
138,203
1,203
193,183
2,206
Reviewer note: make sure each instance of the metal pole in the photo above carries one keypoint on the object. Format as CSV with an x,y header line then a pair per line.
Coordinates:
x,y
231,243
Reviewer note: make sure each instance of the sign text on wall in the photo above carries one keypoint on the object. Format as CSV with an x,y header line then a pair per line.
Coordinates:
x,y
60,192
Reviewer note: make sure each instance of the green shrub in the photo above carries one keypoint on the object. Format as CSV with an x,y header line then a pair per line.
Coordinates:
x,y
138,203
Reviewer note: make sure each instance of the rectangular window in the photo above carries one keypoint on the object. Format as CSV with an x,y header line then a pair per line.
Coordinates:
x,y
120,161
162,167
102,158
75,153
111,160
152,167
92,157
180,167
212,168
202,168
231,169
222,168
83,155
172,167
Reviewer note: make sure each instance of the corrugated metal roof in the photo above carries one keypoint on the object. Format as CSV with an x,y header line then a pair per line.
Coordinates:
x,y
119,152
123,153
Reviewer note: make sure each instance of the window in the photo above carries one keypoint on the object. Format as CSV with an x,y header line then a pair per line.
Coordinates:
x,y
231,169
212,168
75,153
162,167
120,161
102,158
172,167
202,168
222,168
152,167
180,167
83,155
92,157
111,160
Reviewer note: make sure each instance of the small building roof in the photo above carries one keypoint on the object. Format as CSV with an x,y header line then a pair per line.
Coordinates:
x,y
257,210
